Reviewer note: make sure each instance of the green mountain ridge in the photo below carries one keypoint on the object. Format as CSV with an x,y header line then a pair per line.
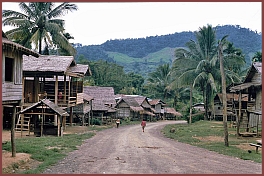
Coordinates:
x,y
146,64
143,55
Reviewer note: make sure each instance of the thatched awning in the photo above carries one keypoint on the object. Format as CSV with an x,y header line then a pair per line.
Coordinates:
x,y
244,86
148,113
87,97
79,70
172,111
136,109
58,110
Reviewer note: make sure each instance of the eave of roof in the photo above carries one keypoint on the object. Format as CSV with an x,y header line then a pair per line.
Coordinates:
x,y
58,110
12,45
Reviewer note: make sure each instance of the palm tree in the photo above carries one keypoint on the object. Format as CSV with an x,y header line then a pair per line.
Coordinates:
x,y
200,62
160,80
202,66
39,25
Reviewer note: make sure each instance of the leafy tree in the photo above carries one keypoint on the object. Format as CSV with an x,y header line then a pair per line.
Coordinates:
x,y
39,25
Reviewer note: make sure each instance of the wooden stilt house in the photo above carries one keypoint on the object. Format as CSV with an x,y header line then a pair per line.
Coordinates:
x,y
128,107
249,115
56,78
12,61
103,104
158,106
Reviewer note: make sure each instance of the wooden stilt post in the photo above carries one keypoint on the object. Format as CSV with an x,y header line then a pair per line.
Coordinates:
x,y
59,124
13,132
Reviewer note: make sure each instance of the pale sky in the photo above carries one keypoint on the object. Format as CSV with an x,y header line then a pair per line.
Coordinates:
x,y
95,23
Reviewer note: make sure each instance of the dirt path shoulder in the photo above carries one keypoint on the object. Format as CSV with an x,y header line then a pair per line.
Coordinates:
x,y
127,150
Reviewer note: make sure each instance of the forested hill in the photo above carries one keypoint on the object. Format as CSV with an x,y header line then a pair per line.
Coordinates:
x,y
142,55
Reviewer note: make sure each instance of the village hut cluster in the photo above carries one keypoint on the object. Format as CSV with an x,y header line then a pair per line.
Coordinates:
x,y
43,94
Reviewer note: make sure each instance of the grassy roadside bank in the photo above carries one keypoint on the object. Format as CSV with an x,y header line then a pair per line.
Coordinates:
x,y
48,150
210,135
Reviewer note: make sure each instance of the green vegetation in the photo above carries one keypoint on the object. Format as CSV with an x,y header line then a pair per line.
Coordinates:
x,y
39,23
48,149
210,135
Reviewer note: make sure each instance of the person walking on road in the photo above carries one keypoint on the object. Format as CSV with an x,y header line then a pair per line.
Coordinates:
x,y
143,124
117,123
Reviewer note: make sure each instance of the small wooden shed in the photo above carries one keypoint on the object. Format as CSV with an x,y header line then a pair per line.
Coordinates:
x,y
43,117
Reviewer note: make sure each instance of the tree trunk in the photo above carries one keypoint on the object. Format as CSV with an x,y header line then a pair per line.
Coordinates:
x,y
224,96
206,102
190,119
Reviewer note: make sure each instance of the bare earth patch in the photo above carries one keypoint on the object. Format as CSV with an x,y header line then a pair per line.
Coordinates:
x,y
243,146
210,138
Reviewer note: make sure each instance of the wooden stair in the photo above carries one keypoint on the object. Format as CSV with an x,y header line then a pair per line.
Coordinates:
x,y
23,124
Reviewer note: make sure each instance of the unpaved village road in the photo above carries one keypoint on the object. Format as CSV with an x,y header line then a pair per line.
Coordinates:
x,y
127,150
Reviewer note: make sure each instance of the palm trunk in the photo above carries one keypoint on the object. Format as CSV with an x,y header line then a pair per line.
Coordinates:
x,y
190,119
224,97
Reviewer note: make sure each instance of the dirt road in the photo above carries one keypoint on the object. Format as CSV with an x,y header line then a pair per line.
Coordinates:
x,y
127,150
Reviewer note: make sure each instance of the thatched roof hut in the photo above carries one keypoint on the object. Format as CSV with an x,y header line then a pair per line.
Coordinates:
x,y
104,97
51,64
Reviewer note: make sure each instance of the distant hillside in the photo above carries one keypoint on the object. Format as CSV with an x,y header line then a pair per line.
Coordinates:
x,y
143,55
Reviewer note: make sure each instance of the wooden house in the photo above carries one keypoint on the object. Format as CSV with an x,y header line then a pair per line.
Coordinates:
x,y
137,106
249,116
158,106
148,111
232,104
56,78
12,60
103,104
171,114
128,107
83,112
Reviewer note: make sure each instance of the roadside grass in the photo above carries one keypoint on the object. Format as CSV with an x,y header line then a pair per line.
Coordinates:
x,y
49,149
210,135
